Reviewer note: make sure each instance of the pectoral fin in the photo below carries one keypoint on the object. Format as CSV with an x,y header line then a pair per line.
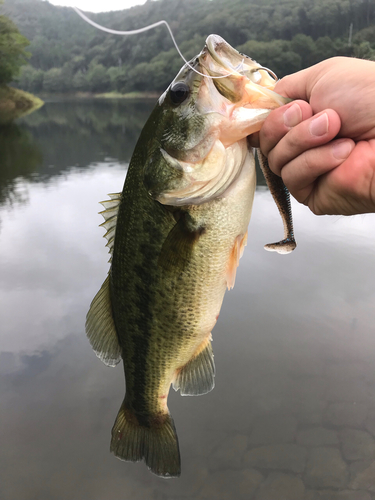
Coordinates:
x,y
282,199
179,244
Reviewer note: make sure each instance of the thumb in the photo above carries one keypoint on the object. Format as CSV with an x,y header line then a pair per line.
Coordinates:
x,y
295,86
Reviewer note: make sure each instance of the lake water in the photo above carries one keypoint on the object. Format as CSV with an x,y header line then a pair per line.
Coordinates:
x,y
292,416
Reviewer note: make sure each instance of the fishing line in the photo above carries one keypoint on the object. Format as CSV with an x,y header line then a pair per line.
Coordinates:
x,y
149,27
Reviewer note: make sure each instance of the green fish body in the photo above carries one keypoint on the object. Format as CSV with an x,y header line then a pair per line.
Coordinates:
x,y
176,234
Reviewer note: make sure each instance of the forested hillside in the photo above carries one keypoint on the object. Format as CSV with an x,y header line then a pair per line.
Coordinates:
x,y
284,35
13,103
12,50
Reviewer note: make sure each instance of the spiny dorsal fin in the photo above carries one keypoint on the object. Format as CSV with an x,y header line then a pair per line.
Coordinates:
x,y
110,218
198,375
100,327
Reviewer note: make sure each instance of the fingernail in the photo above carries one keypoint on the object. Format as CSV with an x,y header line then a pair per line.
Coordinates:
x,y
293,116
319,126
341,150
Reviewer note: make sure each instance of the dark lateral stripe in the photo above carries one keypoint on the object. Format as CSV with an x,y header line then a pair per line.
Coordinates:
x,y
141,329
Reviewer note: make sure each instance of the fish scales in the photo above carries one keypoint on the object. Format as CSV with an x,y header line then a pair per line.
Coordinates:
x,y
180,228
170,314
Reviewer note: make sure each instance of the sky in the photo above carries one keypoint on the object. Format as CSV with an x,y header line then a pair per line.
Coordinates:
x,y
98,5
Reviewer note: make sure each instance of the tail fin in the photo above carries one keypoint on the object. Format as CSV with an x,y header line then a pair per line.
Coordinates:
x,y
157,443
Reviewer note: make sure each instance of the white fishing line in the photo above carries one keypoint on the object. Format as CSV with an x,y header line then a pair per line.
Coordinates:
x,y
149,27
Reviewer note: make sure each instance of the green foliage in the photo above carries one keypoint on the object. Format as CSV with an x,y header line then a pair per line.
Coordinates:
x,y
276,54
31,78
98,78
12,53
304,46
366,35
19,155
284,35
80,82
52,81
364,51
15,103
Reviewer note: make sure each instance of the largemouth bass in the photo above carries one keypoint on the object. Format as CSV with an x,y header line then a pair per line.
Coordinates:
x,y
176,234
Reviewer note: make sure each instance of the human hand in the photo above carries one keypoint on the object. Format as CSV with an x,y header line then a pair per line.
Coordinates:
x,y
324,145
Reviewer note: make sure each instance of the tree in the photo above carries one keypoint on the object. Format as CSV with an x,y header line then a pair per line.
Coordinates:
x,y
30,79
276,55
364,51
365,35
304,46
53,81
98,78
284,35
118,77
12,50
80,82
324,48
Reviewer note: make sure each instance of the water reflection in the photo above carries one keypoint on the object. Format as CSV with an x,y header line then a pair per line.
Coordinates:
x,y
63,135
82,132
19,156
292,415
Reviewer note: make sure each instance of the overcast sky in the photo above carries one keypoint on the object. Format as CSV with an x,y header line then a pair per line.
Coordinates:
x,y
98,5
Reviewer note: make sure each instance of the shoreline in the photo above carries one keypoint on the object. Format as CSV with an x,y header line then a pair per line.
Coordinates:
x,y
15,103
106,95
129,95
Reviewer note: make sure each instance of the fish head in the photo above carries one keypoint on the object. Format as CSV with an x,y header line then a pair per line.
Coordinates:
x,y
200,123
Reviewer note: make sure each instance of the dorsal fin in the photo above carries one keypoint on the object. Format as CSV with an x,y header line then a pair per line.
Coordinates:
x,y
100,327
110,219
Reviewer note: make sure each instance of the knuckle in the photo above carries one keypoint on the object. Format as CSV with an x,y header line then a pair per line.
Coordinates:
x,y
274,163
283,82
306,162
269,135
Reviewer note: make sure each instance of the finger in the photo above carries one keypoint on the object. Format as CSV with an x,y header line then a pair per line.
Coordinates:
x,y
311,133
253,140
350,188
300,174
280,121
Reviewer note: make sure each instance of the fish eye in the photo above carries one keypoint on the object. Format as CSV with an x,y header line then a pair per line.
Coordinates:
x,y
179,92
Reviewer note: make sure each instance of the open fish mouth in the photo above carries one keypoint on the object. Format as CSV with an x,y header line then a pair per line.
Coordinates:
x,y
221,98
238,77
233,61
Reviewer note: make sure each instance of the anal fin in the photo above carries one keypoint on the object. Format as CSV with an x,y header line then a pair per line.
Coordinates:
x,y
198,375
100,327
234,259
